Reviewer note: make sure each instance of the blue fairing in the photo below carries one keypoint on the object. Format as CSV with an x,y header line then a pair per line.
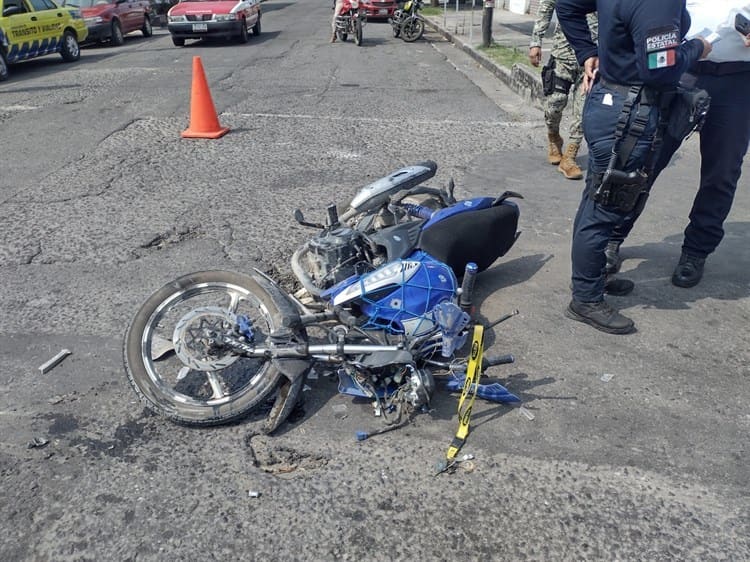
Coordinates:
x,y
399,296
467,205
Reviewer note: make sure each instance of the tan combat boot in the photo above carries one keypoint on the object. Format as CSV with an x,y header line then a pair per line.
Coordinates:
x,y
568,165
554,156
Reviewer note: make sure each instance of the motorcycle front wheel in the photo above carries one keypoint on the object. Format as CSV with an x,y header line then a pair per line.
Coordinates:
x,y
173,363
358,33
412,29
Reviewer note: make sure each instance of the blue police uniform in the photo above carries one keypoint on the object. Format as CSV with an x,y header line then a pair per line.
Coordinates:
x,y
724,140
640,44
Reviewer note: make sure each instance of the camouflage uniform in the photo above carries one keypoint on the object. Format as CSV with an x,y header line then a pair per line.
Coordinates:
x,y
566,67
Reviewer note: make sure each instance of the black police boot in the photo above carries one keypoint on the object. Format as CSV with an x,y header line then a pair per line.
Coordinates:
x,y
614,261
618,287
601,316
689,271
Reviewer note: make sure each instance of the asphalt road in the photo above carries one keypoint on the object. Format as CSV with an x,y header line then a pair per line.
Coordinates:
x,y
103,202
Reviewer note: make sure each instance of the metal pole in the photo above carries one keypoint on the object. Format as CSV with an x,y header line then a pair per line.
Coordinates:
x,y
471,27
456,30
487,22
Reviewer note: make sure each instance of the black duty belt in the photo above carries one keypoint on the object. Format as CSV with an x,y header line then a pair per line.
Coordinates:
x,y
648,95
620,88
720,68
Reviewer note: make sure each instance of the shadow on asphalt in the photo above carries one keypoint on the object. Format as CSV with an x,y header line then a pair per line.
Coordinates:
x,y
725,275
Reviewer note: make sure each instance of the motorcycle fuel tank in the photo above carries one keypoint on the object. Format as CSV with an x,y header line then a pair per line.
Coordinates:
x,y
399,296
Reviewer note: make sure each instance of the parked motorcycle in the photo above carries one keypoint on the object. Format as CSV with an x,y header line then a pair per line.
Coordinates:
x,y
350,21
379,305
407,22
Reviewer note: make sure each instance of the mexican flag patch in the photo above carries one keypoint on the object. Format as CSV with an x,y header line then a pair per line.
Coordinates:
x,y
660,47
661,59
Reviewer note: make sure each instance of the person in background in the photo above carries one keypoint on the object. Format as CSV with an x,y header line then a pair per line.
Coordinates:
x,y
724,138
641,54
562,77
337,5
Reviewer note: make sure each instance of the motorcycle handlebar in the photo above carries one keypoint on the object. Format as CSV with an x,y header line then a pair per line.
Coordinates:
x,y
491,361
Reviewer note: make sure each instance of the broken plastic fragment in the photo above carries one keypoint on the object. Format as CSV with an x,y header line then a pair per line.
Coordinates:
x,y
253,494
526,413
606,377
339,410
49,365
37,442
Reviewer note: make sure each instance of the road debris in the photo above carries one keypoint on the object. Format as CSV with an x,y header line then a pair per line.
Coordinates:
x,y
253,494
606,377
526,413
450,466
37,443
52,363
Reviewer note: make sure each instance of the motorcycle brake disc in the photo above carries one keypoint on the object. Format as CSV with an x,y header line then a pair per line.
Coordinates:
x,y
195,335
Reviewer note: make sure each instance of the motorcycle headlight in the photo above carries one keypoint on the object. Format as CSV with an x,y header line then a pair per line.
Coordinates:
x,y
225,17
176,19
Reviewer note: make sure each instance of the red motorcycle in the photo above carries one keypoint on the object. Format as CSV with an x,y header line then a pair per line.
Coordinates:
x,y
350,21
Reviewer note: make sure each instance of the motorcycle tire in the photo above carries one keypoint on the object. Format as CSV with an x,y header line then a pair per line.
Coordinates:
x,y
358,33
396,27
169,360
342,36
412,29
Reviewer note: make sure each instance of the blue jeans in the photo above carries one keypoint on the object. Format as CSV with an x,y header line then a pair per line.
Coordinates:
x,y
594,223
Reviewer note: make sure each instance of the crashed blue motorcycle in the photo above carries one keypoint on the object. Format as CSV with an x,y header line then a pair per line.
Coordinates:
x,y
379,305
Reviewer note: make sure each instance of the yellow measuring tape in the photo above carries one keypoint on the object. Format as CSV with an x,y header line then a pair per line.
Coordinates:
x,y
469,391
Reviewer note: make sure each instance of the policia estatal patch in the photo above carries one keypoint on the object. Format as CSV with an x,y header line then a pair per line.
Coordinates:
x,y
660,47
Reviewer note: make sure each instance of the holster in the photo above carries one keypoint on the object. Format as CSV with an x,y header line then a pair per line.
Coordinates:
x,y
618,189
548,77
687,111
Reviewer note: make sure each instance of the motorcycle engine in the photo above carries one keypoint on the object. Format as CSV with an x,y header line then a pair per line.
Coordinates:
x,y
421,387
334,256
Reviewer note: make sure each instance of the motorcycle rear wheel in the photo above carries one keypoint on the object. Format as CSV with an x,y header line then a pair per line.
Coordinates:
x,y
412,29
342,36
170,363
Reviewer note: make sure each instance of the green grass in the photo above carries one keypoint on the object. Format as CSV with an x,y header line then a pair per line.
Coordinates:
x,y
432,11
508,56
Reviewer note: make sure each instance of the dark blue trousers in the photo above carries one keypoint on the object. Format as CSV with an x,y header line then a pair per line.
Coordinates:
x,y
594,223
724,142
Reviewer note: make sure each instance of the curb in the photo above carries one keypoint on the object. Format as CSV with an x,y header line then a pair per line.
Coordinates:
x,y
525,83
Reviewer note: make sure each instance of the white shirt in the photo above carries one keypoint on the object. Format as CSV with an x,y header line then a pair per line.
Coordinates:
x,y
718,16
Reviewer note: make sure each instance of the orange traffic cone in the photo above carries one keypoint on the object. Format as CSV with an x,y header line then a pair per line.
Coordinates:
x,y
204,123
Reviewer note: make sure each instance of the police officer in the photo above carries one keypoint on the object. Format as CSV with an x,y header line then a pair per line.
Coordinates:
x,y
561,78
640,55
724,138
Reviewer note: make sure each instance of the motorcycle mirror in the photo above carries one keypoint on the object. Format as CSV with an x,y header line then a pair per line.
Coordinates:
x,y
451,188
300,218
333,215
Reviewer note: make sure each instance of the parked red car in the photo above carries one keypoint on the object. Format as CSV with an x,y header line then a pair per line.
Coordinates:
x,y
228,19
378,9
111,20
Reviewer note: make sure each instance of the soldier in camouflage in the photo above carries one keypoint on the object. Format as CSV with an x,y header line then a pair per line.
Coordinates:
x,y
562,84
